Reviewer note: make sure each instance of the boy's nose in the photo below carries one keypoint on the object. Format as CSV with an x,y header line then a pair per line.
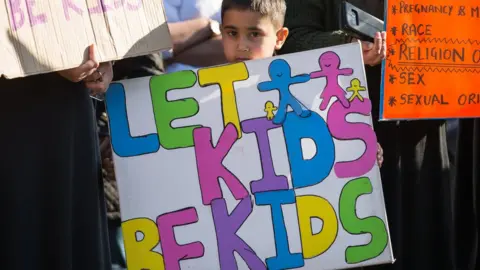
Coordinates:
x,y
242,47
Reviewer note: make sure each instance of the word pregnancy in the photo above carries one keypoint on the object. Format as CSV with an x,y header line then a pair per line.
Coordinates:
x,y
286,117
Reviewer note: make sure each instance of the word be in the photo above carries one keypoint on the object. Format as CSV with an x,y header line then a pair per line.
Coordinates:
x,y
22,10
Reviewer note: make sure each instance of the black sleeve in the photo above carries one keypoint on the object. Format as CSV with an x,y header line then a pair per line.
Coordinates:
x,y
140,66
313,24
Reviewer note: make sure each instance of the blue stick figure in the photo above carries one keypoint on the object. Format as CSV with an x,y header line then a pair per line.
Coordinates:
x,y
281,79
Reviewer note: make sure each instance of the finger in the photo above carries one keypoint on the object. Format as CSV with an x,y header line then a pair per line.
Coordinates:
x,y
384,44
384,35
383,51
86,69
375,59
96,87
95,76
378,59
91,55
378,42
102,73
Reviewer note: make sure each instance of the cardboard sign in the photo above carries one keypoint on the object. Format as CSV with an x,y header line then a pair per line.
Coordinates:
x,y
43,36
273,160
433,61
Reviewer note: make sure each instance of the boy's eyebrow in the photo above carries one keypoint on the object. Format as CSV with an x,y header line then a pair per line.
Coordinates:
x,y
229,27
254,28
251,28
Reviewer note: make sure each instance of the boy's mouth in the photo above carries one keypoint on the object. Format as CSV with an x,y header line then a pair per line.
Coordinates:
x,y
241,59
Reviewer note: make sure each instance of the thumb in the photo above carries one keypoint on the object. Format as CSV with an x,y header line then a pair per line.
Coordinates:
x,y
91,55
89,67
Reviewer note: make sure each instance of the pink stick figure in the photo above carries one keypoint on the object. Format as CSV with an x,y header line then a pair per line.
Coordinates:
x,y
330,68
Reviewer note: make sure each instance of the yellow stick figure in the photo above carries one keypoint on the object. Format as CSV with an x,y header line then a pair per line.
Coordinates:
x,y
356,88
269,109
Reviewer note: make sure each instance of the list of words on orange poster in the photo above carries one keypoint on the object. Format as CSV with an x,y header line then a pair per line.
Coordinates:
x,y
433,60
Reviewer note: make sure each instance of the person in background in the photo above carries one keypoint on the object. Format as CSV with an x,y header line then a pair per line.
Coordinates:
x,y
112,198
452,130
416,174
52,199
195,32
129,68
465,191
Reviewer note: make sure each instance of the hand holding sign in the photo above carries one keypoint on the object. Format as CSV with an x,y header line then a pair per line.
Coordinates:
x,y
379,155
99,81
86,69
97,77
374,53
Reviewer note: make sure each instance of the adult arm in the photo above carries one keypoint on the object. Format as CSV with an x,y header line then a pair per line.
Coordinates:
x,y
208,53
189,33
184,33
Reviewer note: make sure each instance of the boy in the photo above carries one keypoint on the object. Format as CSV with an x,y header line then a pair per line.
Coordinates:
x,y
252,29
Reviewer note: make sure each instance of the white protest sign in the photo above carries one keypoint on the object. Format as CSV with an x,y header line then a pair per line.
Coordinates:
x,y
40,36
268,163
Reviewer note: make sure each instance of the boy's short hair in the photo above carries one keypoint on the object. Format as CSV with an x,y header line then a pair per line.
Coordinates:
x,y
274,9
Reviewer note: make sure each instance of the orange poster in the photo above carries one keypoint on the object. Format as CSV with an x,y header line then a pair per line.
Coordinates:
x,y
433,60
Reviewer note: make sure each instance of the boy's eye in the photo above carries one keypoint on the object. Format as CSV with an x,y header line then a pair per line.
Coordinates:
x,y
232,33
255,34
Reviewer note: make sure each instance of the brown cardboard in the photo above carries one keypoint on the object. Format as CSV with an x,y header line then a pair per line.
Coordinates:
x,y
40,36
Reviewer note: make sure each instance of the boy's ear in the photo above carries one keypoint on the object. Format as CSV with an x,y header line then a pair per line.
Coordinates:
x,y
282,35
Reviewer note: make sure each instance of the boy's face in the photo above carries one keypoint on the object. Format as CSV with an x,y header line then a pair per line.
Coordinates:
x,y
248,35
